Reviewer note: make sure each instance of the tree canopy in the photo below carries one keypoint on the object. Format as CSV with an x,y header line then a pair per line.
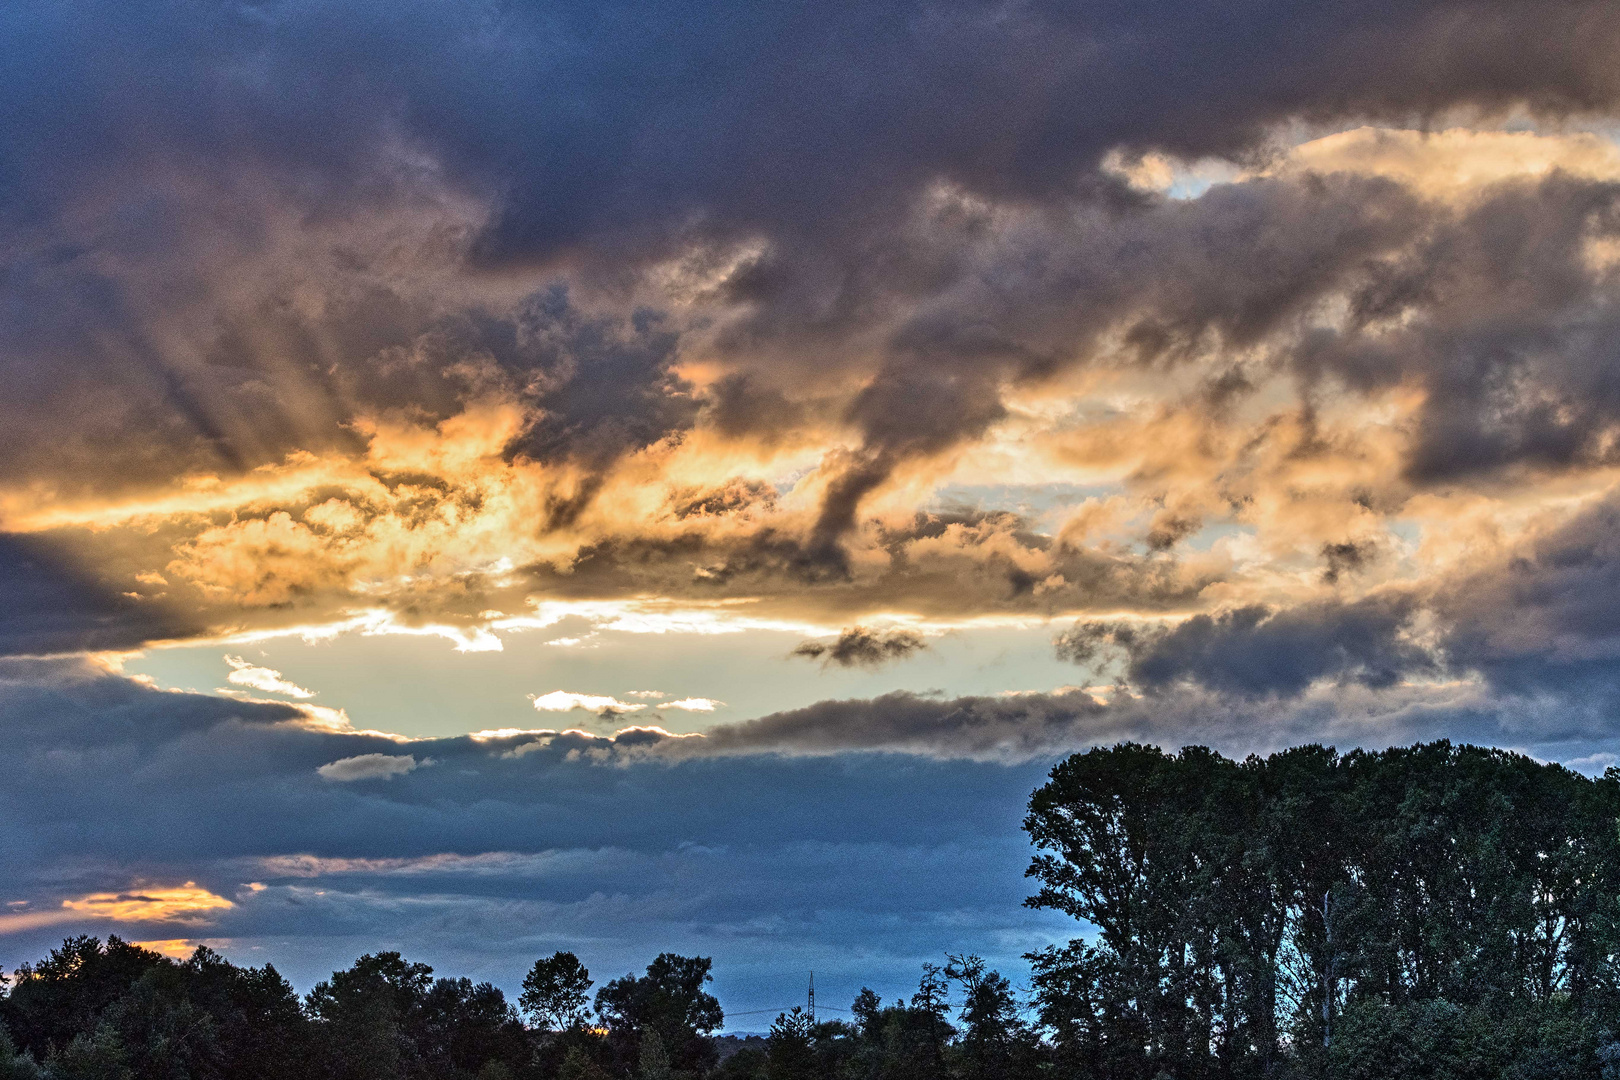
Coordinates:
x,y
1320,911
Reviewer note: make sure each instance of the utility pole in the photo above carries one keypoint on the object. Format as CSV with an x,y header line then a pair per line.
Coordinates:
x,y
812,997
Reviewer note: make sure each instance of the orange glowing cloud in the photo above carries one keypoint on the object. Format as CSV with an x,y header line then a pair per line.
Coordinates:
x,y
186,904
173,948
1216,475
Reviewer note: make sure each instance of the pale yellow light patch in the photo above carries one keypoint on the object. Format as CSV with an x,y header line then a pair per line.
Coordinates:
x,y
655,615
174,948
1162,172
508,733
1458,162
367,622
192,497
693,704
568,701
1463,530
317,717
980,542
323,718
1097,519
1601,254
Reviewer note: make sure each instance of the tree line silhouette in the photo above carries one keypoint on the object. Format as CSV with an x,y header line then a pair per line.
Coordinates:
x,y
1433,911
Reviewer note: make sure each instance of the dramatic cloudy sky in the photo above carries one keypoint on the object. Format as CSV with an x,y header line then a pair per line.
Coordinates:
x,y
485,478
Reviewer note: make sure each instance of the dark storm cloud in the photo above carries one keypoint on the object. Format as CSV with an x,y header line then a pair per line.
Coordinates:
x,y
421,153
604,386
1259,650
739,407
1013,727
1507,327
183,376
1540,621
1022,726
591,119
782,119
1546,620
859,647
51,605
144,138
1345,558
208,777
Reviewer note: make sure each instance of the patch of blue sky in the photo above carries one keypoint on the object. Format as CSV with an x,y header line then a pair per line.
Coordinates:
x,y
1191,181
1042,504
1207,537
422,687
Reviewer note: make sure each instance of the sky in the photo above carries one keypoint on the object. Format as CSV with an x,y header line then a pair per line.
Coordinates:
x,y
487,478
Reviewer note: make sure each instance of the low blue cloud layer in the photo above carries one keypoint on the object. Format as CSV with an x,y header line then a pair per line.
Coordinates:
x,y
859,866
776,846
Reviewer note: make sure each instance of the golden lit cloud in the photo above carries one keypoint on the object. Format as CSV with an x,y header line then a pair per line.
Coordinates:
x,y
185,904
1220,475
1458,162
173,948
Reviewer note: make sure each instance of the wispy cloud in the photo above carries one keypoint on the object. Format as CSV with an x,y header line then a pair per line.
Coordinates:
x,y
245,673
861,647
693,704
369,767
566,701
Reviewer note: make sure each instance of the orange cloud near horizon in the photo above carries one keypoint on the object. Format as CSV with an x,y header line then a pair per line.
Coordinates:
x,y
187,904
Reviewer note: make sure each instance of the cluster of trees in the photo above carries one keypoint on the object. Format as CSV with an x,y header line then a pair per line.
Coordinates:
x,y
1436,911
903,1040
1433,911
116,1011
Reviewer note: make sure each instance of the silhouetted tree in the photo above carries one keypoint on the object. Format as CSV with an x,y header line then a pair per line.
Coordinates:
x,y
97,1055
789,1053
1421,896
996,1043
462,1030
556,992
91,1008
668,1000
362,1014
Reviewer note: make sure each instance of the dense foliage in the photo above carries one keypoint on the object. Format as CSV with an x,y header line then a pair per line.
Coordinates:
x,y
1432,911
1436,911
